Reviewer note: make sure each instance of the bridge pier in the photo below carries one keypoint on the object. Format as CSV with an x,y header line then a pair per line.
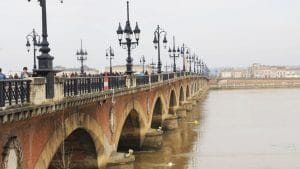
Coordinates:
x,y
170,122
188,106
181,112
117,158
153,140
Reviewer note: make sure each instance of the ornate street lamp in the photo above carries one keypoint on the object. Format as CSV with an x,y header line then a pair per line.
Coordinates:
x,y
190,59
142,60
153,65
81,56
195,62
128,44
110,54
198,66
174,54
202,68
167,67
157,37
45,60
36,42
184,51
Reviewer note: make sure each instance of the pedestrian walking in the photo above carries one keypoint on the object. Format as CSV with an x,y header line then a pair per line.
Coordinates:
x,y
2,76
25,73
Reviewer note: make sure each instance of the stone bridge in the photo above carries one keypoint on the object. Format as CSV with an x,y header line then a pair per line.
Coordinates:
x,y
90,130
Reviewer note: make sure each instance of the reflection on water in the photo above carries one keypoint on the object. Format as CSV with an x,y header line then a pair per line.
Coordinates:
x,y
238,129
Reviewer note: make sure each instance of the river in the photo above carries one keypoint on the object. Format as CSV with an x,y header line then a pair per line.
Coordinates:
x,y
237,129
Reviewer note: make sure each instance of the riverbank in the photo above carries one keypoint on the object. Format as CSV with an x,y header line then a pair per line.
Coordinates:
x,y
253,83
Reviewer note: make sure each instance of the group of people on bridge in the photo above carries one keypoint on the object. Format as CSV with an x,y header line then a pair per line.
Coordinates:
x,y
24,74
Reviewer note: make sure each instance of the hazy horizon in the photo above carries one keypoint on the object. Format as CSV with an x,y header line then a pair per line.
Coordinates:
x,y
227,33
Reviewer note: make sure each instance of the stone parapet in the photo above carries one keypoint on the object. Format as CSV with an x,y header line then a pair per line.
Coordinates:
x,y
37,90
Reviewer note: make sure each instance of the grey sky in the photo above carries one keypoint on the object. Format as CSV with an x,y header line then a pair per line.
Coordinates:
x,y
224,32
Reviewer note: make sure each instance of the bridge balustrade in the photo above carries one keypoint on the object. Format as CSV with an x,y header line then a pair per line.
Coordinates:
x,y
117,82
171,75
154,78
142,80
165,77
81,85
14,92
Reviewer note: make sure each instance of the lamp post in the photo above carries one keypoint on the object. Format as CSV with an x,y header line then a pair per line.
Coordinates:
x,y
142,60
128,44
45,60
152,64
81,56
195,62
198,66
184,50
190,60
174,54
167,67
201,67
35,43
110,54
157,33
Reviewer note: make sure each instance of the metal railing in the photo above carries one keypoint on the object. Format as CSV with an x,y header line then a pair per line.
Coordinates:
x,y
14,92
154,78
82,85
165,77
142,80
171,75
116,82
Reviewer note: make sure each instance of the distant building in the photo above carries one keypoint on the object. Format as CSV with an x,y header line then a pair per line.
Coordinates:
x,y
259,71
69,71
135,68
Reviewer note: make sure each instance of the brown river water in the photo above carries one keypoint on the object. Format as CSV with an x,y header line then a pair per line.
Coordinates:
x,y
237,129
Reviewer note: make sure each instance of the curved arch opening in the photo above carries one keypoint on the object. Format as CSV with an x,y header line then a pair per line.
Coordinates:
x,y
157,114
187,92
130,134
181,96
76,152
172,103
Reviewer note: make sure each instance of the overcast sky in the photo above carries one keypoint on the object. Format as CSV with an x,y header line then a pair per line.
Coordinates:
x,y
223,32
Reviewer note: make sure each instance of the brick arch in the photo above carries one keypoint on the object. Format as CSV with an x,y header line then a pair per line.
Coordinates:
x,y
163,100
176,95
187,92
72,123
181,94
143,120
156,116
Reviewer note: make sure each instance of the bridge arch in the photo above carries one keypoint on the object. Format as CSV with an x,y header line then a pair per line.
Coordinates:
x,y
172,102
181,96
72,124
188,92
130,137
134,122
157,113
77,150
